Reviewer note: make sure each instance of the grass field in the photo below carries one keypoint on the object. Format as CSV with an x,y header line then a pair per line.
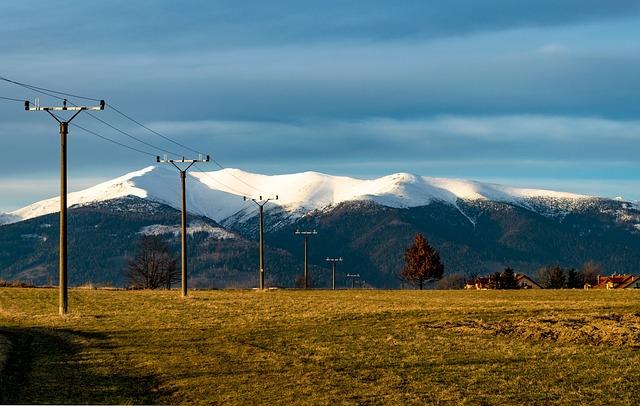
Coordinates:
x,y
321,347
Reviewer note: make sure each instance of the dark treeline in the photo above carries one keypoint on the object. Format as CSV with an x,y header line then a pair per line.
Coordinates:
x,y
557,277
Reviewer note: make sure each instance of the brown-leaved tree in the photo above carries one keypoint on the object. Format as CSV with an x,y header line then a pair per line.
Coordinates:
x,y
421,263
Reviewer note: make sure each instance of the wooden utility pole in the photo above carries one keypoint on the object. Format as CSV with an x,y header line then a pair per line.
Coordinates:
x,y
63,296
261,202
306,235
353,278
333,270
183,181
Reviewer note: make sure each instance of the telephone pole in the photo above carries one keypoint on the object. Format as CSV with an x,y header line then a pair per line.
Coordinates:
x,y
183,181
306,235
63,297
353,277
333,270
261,202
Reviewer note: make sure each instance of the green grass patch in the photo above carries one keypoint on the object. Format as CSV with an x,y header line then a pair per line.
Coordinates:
x,y
322,347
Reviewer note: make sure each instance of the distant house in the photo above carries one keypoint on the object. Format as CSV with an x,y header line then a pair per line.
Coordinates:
x,y
525,282
481,283
618,282
487,282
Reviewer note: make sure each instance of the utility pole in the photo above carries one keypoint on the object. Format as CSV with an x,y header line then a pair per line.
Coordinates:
x,y
261,202
63,297
333,270
306,235
183,179
353,277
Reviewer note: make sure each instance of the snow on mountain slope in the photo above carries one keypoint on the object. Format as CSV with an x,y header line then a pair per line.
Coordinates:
x,y
6,218
161,184
218,194
313,190
113,189
192,228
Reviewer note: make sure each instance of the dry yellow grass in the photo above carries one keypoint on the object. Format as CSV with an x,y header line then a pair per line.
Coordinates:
x,y
322,347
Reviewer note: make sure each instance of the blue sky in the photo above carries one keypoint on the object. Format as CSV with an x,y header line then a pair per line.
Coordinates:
x,y
539,93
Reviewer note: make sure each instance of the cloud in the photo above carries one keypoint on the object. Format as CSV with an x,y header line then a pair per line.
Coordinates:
x,y
439,138
582,154
170,25
460,88
350,81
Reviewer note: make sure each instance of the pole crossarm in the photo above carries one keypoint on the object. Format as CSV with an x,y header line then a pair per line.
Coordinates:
x,y
260,200
183,237
64,107
183,160
174,162
313,232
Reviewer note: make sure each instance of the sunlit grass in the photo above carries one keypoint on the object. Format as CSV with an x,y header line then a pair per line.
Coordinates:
x,y
324,347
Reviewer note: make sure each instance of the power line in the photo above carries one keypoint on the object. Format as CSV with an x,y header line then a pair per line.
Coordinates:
x,y
132,136
11,99
42,92
50,93
153,131
34,89
111,140
218,182
183,146
42,89
218,164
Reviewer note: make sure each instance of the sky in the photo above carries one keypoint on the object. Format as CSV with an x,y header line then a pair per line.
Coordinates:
x,y
526,93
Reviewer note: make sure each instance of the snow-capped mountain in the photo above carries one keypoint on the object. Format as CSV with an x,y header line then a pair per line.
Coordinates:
x,y
219,194
477,227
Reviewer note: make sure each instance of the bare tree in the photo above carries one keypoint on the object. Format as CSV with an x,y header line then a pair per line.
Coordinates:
x,y
452,281
153,266
590,271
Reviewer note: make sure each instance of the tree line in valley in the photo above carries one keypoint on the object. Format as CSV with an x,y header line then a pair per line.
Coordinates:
x,y
556,277
422,267
154,266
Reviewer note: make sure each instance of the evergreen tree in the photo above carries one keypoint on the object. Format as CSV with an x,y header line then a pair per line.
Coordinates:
x,y
553,278
508,279
421,262
495,281
574,280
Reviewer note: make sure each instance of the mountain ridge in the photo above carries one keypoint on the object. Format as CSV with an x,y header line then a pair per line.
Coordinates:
x,y
218,194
